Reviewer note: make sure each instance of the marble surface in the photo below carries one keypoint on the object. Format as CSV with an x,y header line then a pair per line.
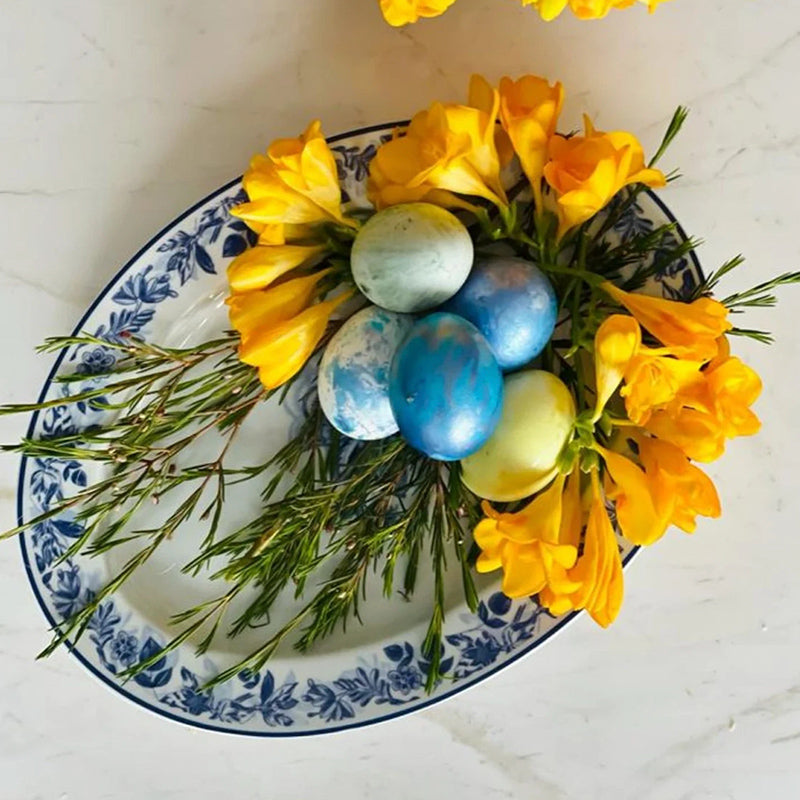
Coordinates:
x,y
115,116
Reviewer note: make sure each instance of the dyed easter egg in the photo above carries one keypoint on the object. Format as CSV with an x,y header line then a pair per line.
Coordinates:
x,y
512,303
353,380
520,457
411,257
446,388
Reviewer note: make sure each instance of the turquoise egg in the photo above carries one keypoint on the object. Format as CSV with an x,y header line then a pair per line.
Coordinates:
x,y
512,303
411,257
446,388
353,380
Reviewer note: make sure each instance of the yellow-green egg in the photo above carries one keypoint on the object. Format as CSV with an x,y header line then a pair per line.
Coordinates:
x,y
520,457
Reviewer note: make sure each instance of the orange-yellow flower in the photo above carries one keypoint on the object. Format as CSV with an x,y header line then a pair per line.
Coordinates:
x,y
403,12
448,148
279,328
295,183
254,311
653,377
691,330
585,9
703,415
258,267
656,380
281,349
526,545
680,490
666,490
529,111
698,434
617,341
734,387
598,571
638,518
587,171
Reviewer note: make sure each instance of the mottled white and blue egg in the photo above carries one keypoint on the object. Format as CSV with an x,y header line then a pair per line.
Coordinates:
x,y
353,382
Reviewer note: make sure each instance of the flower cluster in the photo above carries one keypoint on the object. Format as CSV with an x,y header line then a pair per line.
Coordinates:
x,y
404,12
679,401
293,193
653,380
451,150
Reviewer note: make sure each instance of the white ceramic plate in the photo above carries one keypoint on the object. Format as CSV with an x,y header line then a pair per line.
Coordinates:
x,y
171,292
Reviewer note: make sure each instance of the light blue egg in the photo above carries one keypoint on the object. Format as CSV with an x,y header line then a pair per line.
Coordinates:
x,y
353,381
446,388
411,257
512,303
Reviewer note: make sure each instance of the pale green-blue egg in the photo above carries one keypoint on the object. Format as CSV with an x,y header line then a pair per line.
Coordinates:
x,y
520,457
411,257
353,380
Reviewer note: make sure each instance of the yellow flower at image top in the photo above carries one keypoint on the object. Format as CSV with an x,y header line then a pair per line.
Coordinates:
x,y
404,12
585,9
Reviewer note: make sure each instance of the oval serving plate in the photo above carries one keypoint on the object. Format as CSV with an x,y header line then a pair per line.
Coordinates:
x,y
171,292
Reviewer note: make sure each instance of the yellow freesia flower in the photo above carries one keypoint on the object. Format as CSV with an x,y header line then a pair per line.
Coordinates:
x,y
258,267
526,546
403,12
653,377
295,183
280,351
638,518
680,490
734,387
255,311
587,171
667,489
698,434
529,111
598,571
585,9
703,415
691,330
616,342
448,148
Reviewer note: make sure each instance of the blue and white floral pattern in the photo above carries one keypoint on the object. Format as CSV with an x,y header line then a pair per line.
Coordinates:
x,y
379,682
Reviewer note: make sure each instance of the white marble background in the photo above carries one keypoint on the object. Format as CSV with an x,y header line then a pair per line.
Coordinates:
x,y
117,114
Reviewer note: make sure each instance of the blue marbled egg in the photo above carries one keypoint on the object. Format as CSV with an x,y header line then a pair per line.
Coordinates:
x,y
446,388
353,381
512,303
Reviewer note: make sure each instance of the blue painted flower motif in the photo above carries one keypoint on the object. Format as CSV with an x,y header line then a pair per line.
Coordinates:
x,y
193,700
124,648
158,673
274,704
96,361
405,679
146,287
68,596
326,703
483,650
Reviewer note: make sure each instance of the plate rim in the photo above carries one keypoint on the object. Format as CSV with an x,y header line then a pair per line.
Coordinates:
x,y
120,689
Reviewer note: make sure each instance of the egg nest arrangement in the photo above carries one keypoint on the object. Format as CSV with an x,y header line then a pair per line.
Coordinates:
x,y
494,392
